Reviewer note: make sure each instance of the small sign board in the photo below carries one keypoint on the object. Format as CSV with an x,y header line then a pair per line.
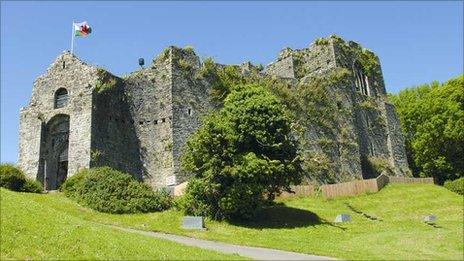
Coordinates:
x,y
430,219
191,222
170,180
342,218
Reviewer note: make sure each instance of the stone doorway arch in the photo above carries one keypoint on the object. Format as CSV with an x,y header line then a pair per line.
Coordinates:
x,y
55,148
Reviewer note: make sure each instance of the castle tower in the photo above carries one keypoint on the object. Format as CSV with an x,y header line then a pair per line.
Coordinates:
x,y
55,127
167,103
370,124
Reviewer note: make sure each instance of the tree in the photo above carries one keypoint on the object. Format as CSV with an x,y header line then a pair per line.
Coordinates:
x,y
242,156
432,120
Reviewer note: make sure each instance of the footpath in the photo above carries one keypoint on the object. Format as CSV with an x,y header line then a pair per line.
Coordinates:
x,y
257,253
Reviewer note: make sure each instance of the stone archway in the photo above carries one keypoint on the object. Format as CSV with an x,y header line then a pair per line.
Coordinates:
x,y
55,148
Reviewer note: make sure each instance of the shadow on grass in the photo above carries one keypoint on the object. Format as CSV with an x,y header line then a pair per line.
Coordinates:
x,y
370,217
281,216
433,225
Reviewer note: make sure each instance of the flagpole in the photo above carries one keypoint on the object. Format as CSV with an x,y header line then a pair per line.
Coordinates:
x,y
72,37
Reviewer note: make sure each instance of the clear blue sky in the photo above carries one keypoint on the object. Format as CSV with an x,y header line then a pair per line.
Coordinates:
x,y
417,42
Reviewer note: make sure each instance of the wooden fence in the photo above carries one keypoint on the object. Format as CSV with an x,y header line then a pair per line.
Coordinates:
x,y
411,180
368,185
300,190
341,189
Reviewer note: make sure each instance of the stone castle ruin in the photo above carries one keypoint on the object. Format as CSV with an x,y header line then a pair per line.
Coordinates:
x,y
81,116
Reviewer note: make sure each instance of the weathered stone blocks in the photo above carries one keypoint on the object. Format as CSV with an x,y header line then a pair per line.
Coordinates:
x,y
139,123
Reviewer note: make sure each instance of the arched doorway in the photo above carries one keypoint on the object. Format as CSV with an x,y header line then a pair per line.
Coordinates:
x,y
55,151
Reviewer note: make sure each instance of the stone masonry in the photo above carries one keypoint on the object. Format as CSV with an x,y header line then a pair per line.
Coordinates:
x,y
81,116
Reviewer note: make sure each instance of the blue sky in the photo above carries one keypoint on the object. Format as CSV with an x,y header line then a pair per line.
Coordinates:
x,y
417,42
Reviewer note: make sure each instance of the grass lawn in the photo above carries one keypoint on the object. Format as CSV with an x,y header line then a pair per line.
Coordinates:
x,y
33,230
386,225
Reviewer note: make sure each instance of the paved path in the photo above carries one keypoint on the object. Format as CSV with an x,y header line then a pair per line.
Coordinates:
x,y
257,253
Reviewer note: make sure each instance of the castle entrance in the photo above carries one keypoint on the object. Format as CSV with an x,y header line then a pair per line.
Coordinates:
x,y
62,172
55,148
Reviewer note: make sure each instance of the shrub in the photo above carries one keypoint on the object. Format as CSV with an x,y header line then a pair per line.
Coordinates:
x,y
32,186
242,156
14,179
11,177
455,185
71,187
111,191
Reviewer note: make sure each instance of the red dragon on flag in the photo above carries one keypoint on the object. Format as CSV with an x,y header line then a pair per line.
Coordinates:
x,y
82,29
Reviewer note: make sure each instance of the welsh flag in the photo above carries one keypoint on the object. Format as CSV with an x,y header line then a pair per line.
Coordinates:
x,y
82,29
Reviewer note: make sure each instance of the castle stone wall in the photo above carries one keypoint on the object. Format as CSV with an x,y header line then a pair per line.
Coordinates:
x,y
282,68
191,101
78,79
150,98
114,139
142,121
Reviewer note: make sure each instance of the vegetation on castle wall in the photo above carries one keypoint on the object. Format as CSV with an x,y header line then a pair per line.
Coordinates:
x,y
189,49
432,121
222,78
366,59
368,104
374,166
313,103
319,166
316,100
163,56
95,156
14,179
298,62
372,112
184,65
321,41
105,81
241,157
111,191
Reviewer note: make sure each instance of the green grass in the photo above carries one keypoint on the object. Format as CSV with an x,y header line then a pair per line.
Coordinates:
x,y
31,228
305,224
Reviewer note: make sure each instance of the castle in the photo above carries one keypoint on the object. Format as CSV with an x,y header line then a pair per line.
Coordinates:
x,y
81,116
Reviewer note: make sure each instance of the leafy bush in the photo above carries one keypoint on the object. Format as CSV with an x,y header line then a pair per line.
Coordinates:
x,y
111,191
241,157
71,187
455,185
432,122
11,177
32,186
14,179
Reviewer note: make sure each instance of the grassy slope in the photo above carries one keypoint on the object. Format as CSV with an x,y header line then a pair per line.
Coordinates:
x,y
31,230
303,225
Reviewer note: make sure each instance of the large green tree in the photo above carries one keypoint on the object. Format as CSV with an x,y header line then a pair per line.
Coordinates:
x,y
241,157
432,120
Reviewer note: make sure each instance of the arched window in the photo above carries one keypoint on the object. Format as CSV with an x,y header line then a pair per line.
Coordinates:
x,y
61,98
361,80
